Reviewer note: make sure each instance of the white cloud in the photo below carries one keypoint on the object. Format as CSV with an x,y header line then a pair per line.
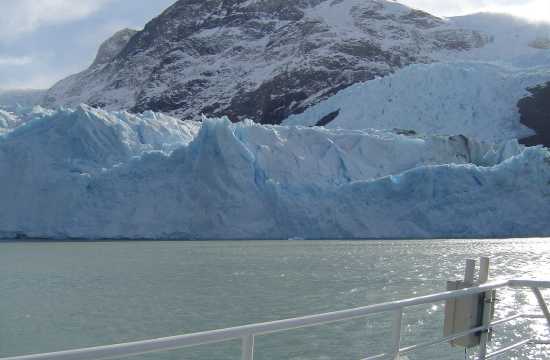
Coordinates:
x,y
15,61
535,10
22,16
532,9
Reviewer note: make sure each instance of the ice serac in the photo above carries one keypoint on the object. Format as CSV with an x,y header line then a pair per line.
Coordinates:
x,y
476,99
7,120
89,173
10,120
261,60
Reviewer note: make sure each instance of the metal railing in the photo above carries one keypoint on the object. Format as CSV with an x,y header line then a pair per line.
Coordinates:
x,y
247,333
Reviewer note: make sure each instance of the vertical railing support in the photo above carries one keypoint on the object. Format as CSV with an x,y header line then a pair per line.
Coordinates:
x,y
248,348
397,323
487,308
469,271
483,270
542,305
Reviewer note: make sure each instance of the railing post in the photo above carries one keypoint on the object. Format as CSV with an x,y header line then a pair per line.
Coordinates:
x,y
248,347
397,323
487,309
469,271
542,305
483,270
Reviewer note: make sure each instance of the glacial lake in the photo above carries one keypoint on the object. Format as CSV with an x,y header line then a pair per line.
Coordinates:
x,y
62,295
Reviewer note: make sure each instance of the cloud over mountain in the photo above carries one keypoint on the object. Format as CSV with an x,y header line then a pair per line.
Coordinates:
x,y
531,9
23,16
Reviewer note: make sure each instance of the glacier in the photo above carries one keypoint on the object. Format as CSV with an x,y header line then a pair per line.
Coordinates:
x,y
7,120
92,174
476,99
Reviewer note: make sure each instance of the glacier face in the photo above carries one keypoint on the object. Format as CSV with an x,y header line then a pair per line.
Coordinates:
x,y
88,173
476,99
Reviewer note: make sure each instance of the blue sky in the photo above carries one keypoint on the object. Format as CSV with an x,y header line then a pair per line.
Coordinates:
x,y
42,41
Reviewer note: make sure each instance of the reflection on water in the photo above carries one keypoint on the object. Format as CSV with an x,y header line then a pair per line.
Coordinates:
x,y
57,296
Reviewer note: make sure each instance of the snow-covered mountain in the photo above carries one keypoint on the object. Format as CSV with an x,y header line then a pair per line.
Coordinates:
x,y
513,40
88,173
112,47
476,93
256,59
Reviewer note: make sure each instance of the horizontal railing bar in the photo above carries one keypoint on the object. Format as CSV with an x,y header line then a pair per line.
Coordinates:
x,y
523,283
505,320
427,344
412,348
509,348
375,357
456,336
222,335
541,342
534,316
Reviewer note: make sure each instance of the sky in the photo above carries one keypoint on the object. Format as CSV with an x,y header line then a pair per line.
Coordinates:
x,y
43,41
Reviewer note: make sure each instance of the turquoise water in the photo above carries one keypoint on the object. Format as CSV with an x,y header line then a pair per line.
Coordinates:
x,y
57,296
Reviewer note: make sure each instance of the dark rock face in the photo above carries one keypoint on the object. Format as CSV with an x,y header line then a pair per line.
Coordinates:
x,y
259,59
327,119
535,114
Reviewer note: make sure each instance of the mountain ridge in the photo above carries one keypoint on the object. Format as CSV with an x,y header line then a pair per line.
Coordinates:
x,y
262,60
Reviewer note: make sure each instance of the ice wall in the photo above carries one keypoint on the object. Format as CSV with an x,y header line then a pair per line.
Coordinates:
x,y
87,173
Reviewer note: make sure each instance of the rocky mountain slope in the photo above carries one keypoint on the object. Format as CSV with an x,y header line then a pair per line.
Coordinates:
x,y
112,47
262,60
